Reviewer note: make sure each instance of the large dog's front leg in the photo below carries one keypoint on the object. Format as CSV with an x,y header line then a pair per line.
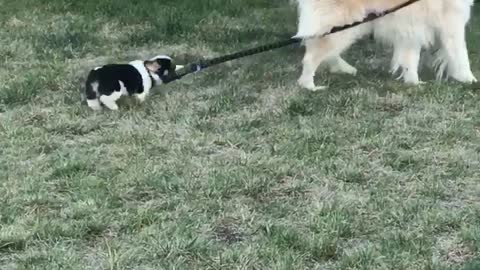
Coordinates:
x,y
406,58
316,51
328,50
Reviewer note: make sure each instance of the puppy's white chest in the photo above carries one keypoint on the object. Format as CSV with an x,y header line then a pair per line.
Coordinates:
x,y
146,81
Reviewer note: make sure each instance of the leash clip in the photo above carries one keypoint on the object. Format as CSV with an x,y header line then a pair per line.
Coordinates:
x,y
196,68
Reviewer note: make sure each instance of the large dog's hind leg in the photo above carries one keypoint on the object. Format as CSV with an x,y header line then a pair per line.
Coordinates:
x,y
453,54
406,58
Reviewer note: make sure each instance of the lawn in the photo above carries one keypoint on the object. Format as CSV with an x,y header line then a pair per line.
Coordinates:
x,y
235,167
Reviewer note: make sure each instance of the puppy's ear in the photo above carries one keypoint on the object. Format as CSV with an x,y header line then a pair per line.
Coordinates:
x,y
152,66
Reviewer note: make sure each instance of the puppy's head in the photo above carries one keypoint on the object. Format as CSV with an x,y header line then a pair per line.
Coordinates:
x,y
162,66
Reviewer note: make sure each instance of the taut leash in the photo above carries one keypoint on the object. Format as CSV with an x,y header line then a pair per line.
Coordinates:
x,y
203,64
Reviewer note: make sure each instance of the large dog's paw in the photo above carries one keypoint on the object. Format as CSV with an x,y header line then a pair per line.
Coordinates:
x,y
343,68
309,84
412,79
467,77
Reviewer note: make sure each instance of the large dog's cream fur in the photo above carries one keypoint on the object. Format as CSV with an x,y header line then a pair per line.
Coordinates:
x,y
436,25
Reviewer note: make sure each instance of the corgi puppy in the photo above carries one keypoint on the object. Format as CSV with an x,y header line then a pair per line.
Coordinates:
x,y
106,84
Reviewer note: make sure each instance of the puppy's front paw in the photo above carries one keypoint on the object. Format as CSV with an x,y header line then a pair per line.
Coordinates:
x,y
113,107
95,108
141,97
317,88
94,104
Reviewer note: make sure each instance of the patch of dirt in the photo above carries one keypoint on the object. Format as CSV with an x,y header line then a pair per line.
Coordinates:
x,y
393,104
451,251
15,22
459,255
226,230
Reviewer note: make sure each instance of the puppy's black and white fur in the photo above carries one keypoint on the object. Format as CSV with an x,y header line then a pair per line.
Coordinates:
x,y
106,84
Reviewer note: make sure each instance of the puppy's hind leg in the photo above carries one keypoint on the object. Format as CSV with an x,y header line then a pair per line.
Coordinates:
x,y
111,100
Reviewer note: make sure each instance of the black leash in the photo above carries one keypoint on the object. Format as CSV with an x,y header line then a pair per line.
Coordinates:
x,y
203,64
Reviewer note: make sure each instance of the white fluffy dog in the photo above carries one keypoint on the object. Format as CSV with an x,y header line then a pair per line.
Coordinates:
x,y
436,25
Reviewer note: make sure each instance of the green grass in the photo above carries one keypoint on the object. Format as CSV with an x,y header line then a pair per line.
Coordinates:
x,y
231,168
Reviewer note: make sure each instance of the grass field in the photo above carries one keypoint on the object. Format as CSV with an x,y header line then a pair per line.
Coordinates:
x,y
234,167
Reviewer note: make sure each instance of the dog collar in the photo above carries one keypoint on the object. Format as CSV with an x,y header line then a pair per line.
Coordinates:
x,y
150,75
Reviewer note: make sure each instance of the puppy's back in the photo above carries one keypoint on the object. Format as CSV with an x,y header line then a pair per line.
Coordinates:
x,y
106,79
